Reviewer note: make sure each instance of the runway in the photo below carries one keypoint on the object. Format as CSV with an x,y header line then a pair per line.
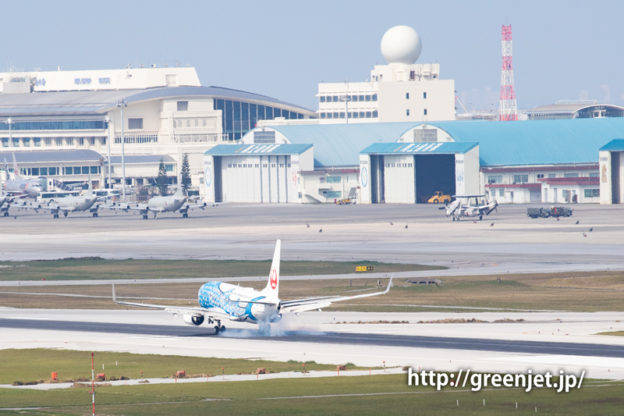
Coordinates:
x,y
411,341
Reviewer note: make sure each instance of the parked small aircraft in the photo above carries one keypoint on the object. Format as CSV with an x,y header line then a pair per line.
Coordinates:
x,y
219,301
461,207
171,203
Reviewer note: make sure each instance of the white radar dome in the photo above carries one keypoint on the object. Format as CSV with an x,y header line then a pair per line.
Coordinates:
x,y
401,44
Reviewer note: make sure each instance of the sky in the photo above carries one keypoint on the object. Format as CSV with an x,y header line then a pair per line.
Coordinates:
x,y
562,50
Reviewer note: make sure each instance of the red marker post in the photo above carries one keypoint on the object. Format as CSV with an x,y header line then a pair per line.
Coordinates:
x,y
92,385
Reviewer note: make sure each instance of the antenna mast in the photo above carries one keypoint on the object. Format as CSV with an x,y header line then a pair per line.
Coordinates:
x,y
508,108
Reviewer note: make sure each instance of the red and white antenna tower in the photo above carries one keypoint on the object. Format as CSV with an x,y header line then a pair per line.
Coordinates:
x,y
507,107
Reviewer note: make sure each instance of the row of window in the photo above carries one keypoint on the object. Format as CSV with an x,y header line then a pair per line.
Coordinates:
x,y
49,141
350,114
591,193
240,117
187,122
347,97
254,165
399,165
424,95
407,112
519,179
54,125
67,170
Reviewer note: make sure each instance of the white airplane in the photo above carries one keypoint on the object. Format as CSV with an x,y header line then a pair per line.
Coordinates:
x,y
177,202
461,207
21,186
86,202
220,301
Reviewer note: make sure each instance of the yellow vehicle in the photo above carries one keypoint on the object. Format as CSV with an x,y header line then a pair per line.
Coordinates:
x,y
439,197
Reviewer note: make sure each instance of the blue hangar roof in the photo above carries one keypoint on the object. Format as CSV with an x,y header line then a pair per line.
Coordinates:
x,y
506,143
427,148
616,145
257,149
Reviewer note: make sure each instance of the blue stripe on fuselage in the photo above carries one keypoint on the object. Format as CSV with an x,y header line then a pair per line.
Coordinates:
x,y
210,295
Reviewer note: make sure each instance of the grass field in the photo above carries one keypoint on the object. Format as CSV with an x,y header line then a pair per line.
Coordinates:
x,y
97,268
363,395
613,333
37,364
587,291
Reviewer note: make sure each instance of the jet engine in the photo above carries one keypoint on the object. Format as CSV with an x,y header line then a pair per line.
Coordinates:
x,y
193,319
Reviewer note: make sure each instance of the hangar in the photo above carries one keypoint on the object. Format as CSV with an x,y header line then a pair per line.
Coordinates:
x,y
554,161
612,172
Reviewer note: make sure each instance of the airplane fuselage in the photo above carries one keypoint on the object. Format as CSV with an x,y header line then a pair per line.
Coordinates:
x,y
75,203
29,187
234,301
166,203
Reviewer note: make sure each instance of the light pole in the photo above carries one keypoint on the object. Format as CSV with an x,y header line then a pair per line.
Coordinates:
x,y
122,104
346,98
9,122
108,140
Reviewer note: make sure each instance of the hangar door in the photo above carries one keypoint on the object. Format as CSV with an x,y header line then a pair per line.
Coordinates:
x,y
434,173
615,177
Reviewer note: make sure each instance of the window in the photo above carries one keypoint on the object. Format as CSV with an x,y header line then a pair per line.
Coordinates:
x,y
94,169
552,175
168,167
322,98
335,98
592,193
76,170
521,178
48,141
375,114
333,179
85,170
540,175
354,98
26,141
81,141
374,97
494,179
407,95
369,114
58,141
425,112
322,115
407,112
5,142
67,170
361,98
593,174
35,171
368,97
571,175
182,105
135,123
355,114
43,171
342,115
37,142
52,171
501,192
424,95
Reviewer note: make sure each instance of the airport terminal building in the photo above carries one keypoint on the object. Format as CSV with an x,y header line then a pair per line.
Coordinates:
x,y
161,113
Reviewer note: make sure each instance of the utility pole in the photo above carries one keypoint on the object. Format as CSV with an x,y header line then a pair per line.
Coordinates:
x,y
122,104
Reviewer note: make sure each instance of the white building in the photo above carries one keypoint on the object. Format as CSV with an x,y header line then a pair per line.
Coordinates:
x,y
161,113
398,91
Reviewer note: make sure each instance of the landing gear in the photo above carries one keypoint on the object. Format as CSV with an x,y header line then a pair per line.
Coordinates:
x,y
65,213
6,213
56,215
144,216
95,214
185,215
218,327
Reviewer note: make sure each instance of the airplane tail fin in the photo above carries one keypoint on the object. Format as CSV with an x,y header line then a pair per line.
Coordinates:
x,y
271,291
16,172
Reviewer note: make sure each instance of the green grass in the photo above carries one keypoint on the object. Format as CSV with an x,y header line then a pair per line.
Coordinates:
x,y
97,268
364,395
37,364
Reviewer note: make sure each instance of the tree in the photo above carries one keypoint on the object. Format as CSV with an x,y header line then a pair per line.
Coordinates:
x,y
185,173
161,179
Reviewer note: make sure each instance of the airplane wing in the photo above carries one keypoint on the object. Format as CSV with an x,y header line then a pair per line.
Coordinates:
x,y
309,304
176,310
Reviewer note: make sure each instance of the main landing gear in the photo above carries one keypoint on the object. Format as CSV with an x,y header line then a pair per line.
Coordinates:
x,y
218,327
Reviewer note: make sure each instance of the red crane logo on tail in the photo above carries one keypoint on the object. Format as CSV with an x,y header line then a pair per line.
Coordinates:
x,y
273,279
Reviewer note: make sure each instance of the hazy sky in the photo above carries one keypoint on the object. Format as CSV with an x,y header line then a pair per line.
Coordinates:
x,y
563,50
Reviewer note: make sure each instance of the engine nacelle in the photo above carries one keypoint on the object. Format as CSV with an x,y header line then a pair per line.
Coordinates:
x,y
193,319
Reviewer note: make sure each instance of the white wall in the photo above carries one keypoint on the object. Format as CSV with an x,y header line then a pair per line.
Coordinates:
x,y
399,186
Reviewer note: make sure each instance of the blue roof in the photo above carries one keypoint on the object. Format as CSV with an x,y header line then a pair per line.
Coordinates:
x,y
501,143
419,148
341,144
257,149
616,145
